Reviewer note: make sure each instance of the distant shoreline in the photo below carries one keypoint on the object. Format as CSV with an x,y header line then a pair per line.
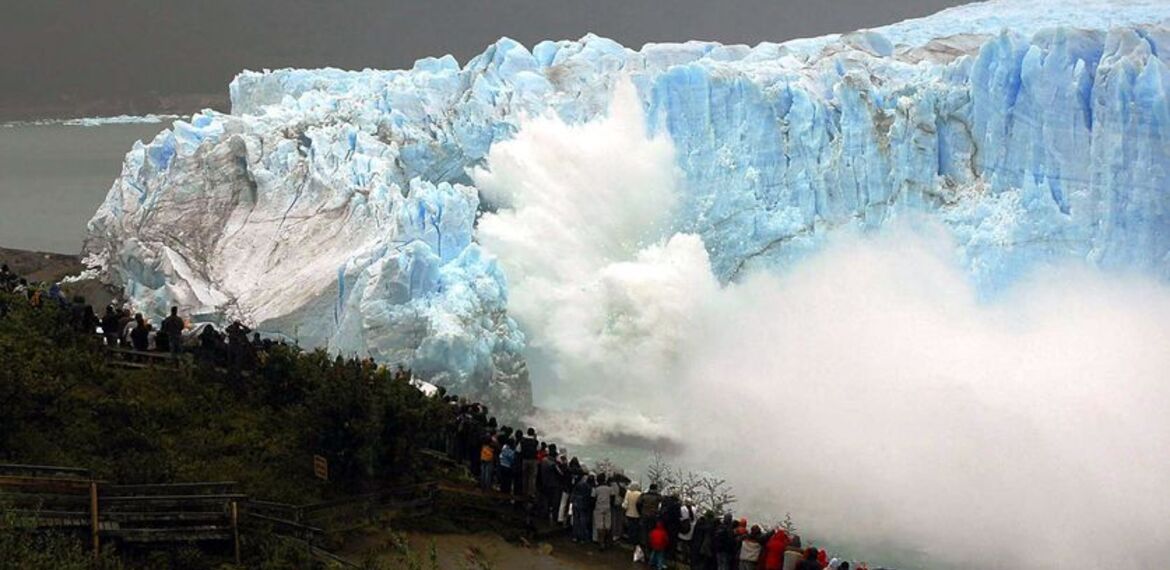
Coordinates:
x,y
41,265
185,104
95,121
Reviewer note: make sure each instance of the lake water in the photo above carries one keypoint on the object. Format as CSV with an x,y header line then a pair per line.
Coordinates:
x,y
53,177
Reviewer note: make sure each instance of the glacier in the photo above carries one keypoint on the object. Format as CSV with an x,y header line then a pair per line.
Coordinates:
x,y
337,208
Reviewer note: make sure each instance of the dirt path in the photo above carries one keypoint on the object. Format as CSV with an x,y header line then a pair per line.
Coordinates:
x,y
489,550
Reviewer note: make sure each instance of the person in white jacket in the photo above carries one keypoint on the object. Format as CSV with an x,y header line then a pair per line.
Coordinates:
x,y
630,506
686,529
605,498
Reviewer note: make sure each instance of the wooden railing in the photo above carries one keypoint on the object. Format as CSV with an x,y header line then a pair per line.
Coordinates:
x,y
129,358
63,498
70,498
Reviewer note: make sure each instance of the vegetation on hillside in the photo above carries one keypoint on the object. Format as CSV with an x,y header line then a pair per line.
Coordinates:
x,y
61,404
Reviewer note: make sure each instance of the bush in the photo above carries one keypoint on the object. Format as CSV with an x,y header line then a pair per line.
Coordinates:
x,y
23,548
61,404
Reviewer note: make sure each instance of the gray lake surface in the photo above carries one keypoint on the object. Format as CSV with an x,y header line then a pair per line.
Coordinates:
x,y
53,177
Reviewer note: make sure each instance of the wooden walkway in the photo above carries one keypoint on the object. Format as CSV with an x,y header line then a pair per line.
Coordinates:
x,y
140,360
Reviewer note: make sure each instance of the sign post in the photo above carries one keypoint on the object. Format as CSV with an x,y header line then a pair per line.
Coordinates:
x,y
321,467
94,525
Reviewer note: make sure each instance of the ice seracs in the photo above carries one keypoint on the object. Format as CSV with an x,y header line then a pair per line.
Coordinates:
x,y
336,207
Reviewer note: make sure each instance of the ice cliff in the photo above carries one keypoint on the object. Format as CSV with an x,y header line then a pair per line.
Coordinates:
x,y
335,207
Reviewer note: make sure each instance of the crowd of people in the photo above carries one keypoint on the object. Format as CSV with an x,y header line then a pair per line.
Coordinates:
x,y
602,507
38,295
605,507
122,328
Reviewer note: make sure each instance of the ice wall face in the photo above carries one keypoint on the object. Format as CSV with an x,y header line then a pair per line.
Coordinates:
x,y
298,230
1030,148
335,206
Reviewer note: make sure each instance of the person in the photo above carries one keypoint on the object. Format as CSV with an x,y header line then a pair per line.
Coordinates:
x,y
630,505
823,558
794,554
487,463
774,550
576,472
237,334
140,336
549,480
566,490
581,497
7,279
658,541
507,461
110,326
686,529
162,343
172,329
725,542
34,294
648,508
844,565
810,560
55,294
750,546
126,324
528,449
618,513
703,542
475,432
89,320
834,563
604,495
210,341
671,513
463,435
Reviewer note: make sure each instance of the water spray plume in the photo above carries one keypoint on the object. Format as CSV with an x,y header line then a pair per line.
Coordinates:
x,y
868,389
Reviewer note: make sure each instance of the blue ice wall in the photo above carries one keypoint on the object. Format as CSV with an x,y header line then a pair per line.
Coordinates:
x,y
1034,135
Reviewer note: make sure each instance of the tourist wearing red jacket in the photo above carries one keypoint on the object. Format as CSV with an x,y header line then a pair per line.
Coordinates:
x,y
659,541
773,557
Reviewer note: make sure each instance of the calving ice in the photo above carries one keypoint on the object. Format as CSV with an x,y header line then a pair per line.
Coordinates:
x,y
340,208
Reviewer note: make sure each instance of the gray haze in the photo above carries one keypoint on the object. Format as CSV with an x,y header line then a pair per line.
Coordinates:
x,y
53,177
70,57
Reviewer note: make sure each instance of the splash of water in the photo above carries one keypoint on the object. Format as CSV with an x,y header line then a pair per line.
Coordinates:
x,y
868,390
601,286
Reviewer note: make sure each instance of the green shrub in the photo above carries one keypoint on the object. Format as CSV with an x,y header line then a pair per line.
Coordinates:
x,y
61,404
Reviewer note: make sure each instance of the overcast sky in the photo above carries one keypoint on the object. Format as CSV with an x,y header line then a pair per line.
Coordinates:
x,y
79,50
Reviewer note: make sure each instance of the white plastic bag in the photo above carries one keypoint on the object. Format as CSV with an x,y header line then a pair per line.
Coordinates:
x,y
563,511
639,556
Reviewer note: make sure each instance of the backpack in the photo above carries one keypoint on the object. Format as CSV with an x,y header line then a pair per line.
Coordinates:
x,y
507,457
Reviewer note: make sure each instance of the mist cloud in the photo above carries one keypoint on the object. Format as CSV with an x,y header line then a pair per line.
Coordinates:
x,y
881,403
868,390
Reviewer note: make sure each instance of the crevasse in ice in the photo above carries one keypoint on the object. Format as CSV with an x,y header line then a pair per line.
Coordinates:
x,y
335,207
